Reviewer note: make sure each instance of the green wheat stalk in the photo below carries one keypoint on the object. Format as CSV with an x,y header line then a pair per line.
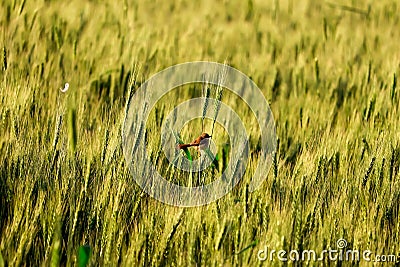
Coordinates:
x,y
218,97
206,95
4,58
72,131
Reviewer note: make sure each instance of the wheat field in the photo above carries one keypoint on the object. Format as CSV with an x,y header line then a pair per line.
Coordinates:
x,y
328,69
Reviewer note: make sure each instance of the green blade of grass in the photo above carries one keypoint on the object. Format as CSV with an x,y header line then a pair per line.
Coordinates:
x,y
83,255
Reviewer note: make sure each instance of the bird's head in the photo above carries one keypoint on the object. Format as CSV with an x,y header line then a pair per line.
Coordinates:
x,y
205,135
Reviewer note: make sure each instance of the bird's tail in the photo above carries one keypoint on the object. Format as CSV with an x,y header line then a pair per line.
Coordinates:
x,y
182,146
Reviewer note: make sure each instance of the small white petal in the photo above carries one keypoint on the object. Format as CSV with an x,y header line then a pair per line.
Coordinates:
x,y
66,86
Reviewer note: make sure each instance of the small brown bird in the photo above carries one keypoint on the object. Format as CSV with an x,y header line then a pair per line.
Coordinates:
x,y
201,142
